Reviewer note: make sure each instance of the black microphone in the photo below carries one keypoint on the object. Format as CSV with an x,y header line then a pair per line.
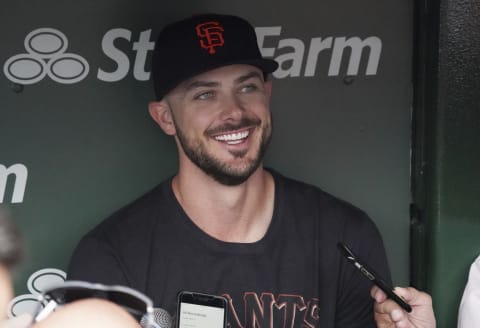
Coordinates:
x,y
161,318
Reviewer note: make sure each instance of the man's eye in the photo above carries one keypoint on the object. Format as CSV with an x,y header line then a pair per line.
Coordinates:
x,y
204,95
249,88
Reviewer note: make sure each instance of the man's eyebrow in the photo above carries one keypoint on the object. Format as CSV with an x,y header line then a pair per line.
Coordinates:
x,y
248,76
210,84
199,84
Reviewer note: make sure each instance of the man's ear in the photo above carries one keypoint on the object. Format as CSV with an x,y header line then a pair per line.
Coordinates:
x,y
161,113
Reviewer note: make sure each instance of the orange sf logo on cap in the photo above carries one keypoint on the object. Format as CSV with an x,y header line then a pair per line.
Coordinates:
x,y
211,34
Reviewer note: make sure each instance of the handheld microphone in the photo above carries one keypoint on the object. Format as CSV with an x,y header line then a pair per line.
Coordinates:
x,y
161,318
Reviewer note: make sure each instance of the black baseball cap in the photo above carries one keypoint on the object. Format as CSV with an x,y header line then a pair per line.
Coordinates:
x,y
201,43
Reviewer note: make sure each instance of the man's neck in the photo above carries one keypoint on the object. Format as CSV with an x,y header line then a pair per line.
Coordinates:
x,y
229,213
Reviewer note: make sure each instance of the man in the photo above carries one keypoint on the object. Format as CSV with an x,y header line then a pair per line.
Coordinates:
x,y
224,224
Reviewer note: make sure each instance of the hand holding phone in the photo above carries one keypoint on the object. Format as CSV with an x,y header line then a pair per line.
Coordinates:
x,y
197,310
372,276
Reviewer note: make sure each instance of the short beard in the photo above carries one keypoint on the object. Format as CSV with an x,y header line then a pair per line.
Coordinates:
x,y
212,166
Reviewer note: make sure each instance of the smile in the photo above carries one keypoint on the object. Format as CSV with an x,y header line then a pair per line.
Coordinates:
x,y
233,138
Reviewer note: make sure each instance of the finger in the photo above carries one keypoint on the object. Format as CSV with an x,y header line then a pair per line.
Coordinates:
x,y
407,293
391,308
389,313
396,318
383,320
413,296
377,294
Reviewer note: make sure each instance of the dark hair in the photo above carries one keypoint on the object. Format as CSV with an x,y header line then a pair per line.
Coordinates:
x,y
11,250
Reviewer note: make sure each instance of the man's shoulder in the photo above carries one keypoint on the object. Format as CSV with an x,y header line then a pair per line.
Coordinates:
x,y
138,215
310,194
303,201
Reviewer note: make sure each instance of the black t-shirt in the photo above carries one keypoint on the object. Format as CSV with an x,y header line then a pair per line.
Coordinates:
x,y
293,277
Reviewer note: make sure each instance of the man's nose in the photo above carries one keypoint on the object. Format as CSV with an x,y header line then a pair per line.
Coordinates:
x,y
233,107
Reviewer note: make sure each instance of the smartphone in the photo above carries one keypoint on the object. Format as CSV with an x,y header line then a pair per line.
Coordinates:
x,y
197,310
371,275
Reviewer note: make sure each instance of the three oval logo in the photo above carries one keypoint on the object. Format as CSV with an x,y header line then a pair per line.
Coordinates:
x,y
46,56
38,281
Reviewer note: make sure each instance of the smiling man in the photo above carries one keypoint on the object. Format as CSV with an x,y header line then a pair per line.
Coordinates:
x,y
224,224
222,121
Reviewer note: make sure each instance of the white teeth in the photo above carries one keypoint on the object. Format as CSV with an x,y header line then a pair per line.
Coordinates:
x,y
233,138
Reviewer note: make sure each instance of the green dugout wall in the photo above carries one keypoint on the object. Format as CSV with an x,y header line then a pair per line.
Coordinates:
x,y
446,179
